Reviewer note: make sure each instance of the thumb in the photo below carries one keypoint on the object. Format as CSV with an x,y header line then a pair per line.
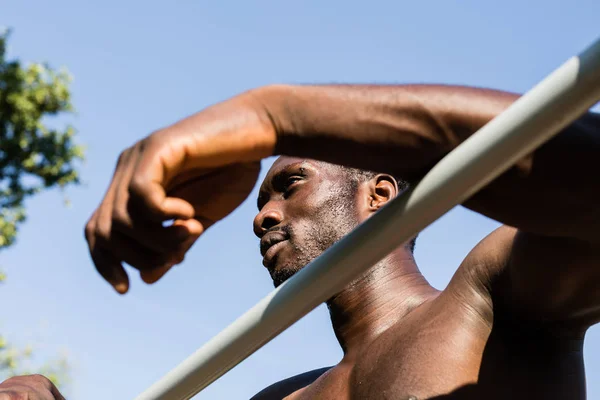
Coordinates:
x,y
151,201
146,186
155,274
194,229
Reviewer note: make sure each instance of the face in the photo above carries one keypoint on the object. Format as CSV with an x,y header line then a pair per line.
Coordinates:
x,y
305,206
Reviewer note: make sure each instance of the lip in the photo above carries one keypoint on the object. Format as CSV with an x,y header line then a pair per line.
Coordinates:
x,y
272,252
270,239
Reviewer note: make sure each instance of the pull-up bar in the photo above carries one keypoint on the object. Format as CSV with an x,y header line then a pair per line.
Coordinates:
x,y
533,119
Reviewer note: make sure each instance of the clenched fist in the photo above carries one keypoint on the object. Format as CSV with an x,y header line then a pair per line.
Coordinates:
x,y
168,188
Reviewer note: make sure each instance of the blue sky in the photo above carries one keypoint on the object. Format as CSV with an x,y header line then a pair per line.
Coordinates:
x,y
139,66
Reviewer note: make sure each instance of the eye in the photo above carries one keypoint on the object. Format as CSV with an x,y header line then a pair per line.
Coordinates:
x,y
289,185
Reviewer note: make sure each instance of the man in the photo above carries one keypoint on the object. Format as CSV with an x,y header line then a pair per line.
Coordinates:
x,y
510,324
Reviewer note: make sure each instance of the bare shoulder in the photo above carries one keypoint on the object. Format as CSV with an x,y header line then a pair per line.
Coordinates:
x,y
532,280
281,389
481,275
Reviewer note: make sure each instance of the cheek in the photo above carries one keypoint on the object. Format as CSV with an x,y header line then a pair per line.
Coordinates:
x,y
317,213
301,230
311,201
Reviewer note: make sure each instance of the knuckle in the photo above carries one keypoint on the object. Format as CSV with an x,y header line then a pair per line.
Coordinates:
x,y
123,157
40,379
136,185
147,143
178,258
102,232
10,380
151,140
14,395
89,230
14,380
120,218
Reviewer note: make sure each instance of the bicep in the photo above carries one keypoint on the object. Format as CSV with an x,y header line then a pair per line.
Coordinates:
x,y
552,279
536,278
553,191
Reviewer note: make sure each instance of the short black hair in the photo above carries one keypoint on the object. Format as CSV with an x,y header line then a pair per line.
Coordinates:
x,y
360,175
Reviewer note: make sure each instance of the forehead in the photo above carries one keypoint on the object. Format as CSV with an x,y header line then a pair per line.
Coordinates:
x,y
285,163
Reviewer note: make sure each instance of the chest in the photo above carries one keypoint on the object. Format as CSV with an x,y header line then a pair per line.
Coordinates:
x,y
445,357
419,360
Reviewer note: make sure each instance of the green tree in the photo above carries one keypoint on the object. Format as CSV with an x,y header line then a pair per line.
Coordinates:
x,y
33,156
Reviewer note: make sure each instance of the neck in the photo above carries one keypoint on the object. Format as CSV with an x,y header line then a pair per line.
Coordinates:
x,y
382,297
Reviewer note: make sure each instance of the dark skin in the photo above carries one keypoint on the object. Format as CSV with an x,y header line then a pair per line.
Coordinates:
x,y
29,387
400,336
512,320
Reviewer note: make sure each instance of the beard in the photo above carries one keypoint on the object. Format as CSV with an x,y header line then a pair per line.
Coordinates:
x,y
308,239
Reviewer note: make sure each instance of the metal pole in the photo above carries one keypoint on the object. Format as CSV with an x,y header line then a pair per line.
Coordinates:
x,y
533,119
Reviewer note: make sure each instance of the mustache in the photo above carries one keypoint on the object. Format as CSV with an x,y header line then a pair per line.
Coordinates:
x,y
285,230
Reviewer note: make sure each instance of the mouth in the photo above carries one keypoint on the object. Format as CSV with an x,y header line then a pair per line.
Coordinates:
x,y
270,255
270,244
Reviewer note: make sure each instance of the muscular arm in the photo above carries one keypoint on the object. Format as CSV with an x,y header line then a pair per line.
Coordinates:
x,y
552,197
404,130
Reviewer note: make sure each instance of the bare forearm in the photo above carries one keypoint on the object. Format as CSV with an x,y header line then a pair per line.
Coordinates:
x,y
404,130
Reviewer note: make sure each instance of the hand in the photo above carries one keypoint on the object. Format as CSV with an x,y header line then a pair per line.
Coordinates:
x,y
29,387
193,173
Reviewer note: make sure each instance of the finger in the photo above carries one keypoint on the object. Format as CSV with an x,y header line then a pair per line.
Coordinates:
x,y
139,257
153,235
106,264
99,227
110,249
154,275
147,184
125,158
90,230
192,228
151,200
111,269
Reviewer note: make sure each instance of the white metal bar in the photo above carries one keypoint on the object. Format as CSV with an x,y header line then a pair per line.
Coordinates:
x,y
534,118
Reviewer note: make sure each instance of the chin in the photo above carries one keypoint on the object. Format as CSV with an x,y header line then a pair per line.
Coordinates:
x,y
282,274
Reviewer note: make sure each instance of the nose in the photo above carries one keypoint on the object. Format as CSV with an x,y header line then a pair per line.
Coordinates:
x,y
265,220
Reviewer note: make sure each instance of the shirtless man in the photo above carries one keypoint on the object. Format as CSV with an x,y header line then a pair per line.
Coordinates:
x,y
510,324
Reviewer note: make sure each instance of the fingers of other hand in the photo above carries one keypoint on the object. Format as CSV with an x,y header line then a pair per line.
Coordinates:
x,y
30,387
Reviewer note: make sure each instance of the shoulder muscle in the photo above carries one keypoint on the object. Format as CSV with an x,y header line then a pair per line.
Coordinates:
x,y
281,389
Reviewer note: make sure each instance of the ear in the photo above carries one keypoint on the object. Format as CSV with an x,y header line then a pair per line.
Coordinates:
x,y
383,188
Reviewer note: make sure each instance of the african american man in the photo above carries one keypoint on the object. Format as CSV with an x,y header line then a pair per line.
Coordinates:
x,y
512,320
